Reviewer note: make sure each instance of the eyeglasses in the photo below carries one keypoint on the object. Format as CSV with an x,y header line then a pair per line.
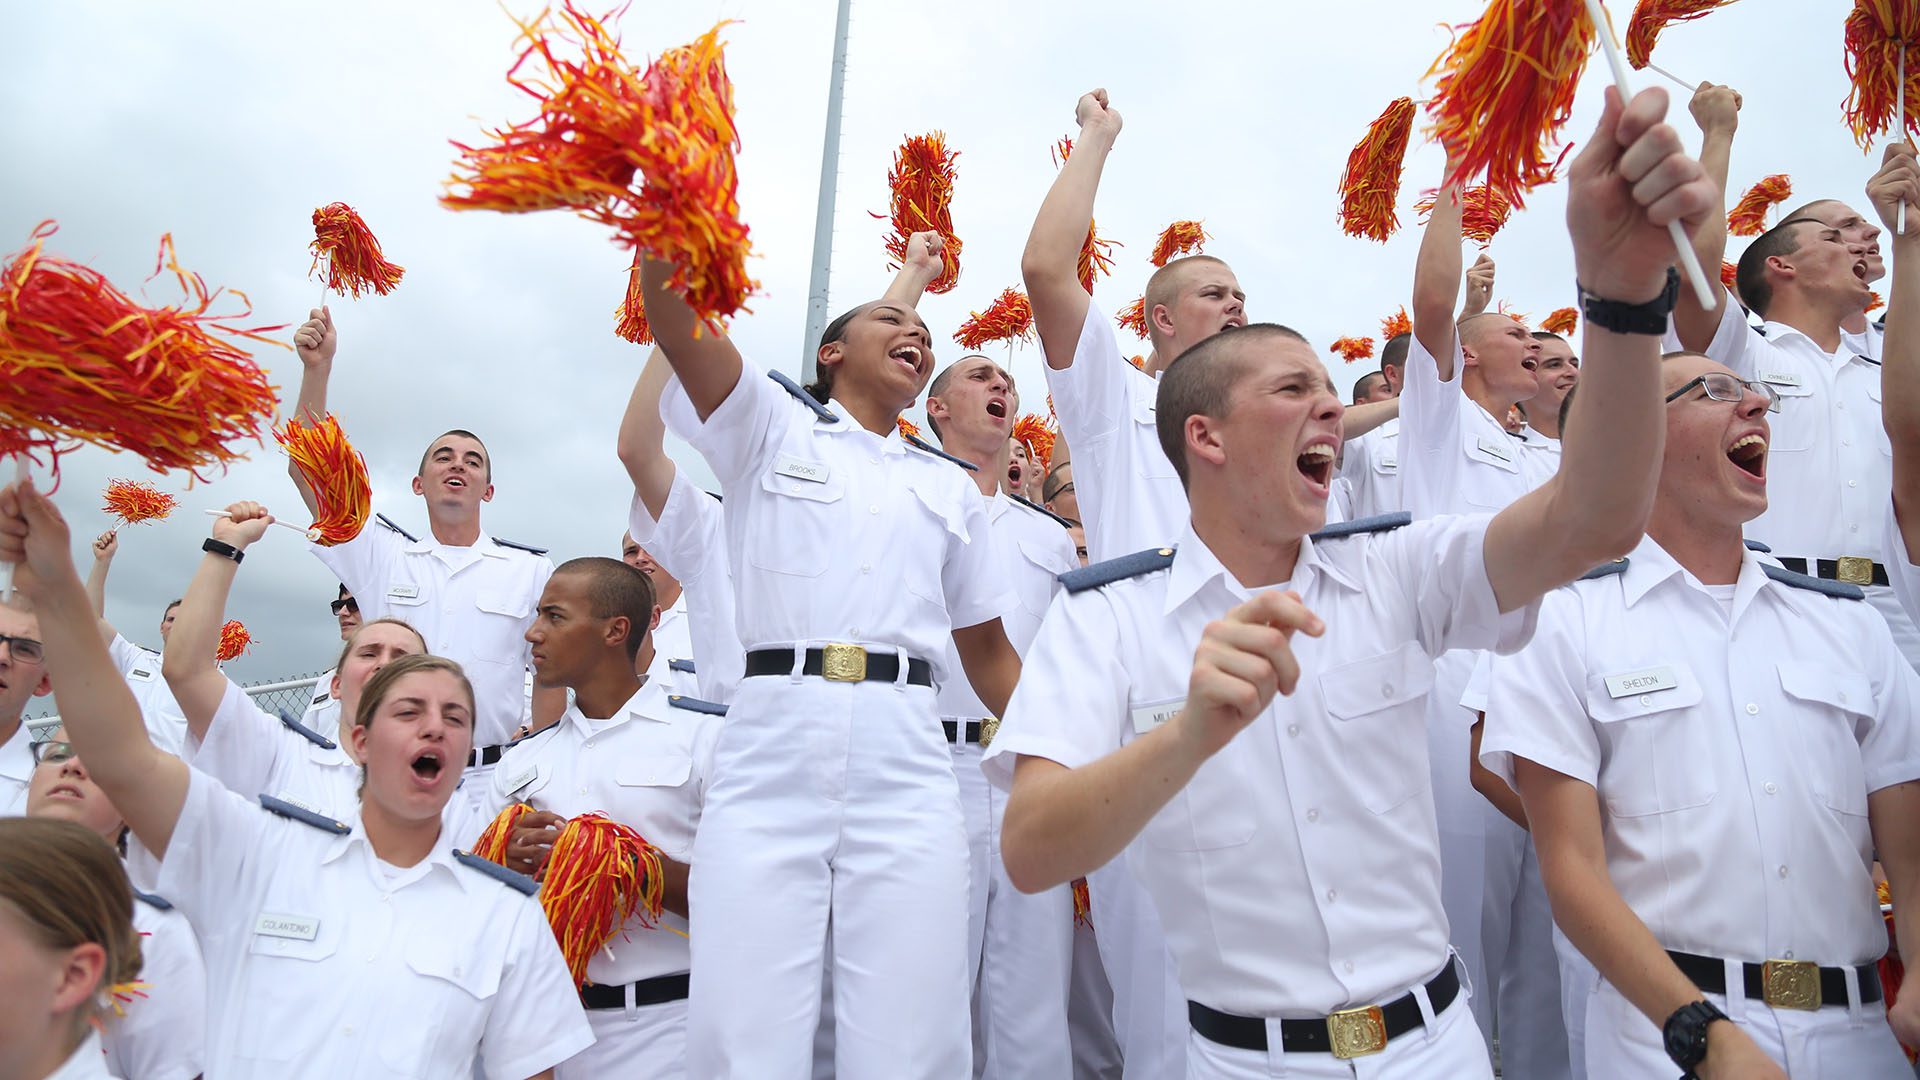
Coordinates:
x,y
52,752
23,649
1721,386
345,603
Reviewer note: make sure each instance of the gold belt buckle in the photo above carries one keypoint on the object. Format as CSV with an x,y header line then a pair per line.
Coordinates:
x,y
1791,984
988,728
1357,1032
843,663
1854,570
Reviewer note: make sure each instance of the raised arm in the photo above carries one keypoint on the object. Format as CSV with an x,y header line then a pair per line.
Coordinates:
x,y
316,341
1629,181
926,257
1050,266
702,356
104,549
1716,109
1360,419
189,662
1436,279
103,722
1898,180
642,441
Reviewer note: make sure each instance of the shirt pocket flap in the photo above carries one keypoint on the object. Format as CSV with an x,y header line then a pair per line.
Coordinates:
x,y
1614,697
294,948
1484,449
949,514
818,491
1045,556
1787,384
655,770
1843,690
516,605
1368,686
437,956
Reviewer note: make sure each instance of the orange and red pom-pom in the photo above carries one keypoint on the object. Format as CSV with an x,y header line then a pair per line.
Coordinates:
x,y
133,501
1874,302
1034,434
1652,16
1729,274
908,429
1082,904
1179,238
335,472
599,876
1517,316
922,184
1749,216
1009,318
1353,348
1396,324
234,640
1133,317
1483,212
630,320
354,263
1878,33
1560,321
1370,186
1096,254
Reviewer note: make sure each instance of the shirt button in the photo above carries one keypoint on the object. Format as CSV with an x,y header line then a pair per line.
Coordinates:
x,y
583,791
1332,895
1772,788
1783,869
1846,442
1853,483
348,1030
873,509
1843,697
1646,699
1752,709
1386,689
371,957
866,568
1349,967
1313,815
1789,955
1293,730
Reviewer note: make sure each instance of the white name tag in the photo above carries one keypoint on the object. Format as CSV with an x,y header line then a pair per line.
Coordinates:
x,y
286,798
1389,463
813,471
1148,717
1494,449
296,927
1780,378
1649,681
140,675
521,780
404,592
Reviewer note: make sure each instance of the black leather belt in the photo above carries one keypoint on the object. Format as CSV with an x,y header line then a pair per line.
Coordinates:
x,y
1852,569
952,728
485,755
840,663
1346,1034
652,991
1783,984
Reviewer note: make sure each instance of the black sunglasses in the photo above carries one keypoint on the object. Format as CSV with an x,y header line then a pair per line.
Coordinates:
x,y
345,603
24,649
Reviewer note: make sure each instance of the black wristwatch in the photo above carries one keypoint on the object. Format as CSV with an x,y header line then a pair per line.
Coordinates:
x,y
222,549
1685,1034
1624,318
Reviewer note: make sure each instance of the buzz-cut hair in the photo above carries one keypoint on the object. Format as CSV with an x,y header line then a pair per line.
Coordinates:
x,y
614,591
1750,277
1163,288
1363,385
1200,382
485,454
1394,352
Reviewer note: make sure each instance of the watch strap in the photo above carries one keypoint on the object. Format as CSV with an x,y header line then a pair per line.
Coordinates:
x,y
1620,317
222,549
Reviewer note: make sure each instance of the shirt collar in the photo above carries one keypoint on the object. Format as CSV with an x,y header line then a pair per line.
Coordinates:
x,y
647,703
1778,333
16,754
440,859
482,545
1649,565
1195,565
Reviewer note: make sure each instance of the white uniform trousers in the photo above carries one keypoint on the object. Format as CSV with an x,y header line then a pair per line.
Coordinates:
x,y
1905,634
1449,1048
647,1040
1835,1041
829,800
1096,1052
1523,973
1020,946
1149,1011
1461,813
1578,979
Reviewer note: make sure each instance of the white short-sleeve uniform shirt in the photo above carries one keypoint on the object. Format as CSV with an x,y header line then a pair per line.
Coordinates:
x,y
161,1033
16,771
140,666
1038,550
689,542
1455,457
1371,463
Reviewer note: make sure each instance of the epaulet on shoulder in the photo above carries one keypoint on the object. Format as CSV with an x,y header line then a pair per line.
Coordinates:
x,y
694,704
387,523
1840,590
518,546
921,444
320,697
1755,545
1605,569
687,666
512,879
1120,569
1038,509
304,816
523,737
1377,523
157,903
800,392
308,734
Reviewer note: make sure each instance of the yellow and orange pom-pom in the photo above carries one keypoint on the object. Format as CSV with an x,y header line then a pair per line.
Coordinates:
x,y
1729,274
1483,212
335,472
1082,904
908,429
1138,361
1506,89
1517,316
1874,302
234,640
122,994
493,840
631,316
1037,437
1133,317
1749,216
1560,321
1370,186
134,501
1395,324
354,262
599,875
1877,31
1652,16
1353,348
1096,254
1179,238
82,362
922,184
1009,318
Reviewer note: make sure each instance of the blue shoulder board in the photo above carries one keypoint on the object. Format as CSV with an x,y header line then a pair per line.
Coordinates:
x,y
694,704
308,733
157,903
304,816
1605,569
1755,545
716,497
1377,523
1863,358
1840,589
517,546
391,527
805,398
919,443
683,665
1120,569
512,879
1038,509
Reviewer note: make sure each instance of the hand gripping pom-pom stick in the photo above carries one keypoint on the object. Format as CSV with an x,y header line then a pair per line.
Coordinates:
x,y
310,534
1689,262
1652,16
6,569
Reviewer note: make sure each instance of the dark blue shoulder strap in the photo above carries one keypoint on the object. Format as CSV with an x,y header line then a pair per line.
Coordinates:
x,y
921,444
518,546
391,527
157,903
1038,509
1605,569
683,665
1755,545
1126,566
304,816
1377,523
512,879
694,704
1839,590
308,733
800,392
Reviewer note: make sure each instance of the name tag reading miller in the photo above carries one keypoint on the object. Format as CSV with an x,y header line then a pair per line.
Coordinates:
x,y
1630,683
1148,717
297,927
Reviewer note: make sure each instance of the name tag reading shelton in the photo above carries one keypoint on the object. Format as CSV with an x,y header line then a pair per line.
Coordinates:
x,y
1630,683
297,927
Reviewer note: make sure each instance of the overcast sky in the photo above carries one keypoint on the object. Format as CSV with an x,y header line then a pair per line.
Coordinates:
x,y
226,123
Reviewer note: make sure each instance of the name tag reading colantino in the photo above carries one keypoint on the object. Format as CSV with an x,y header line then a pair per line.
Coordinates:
x,y
297,927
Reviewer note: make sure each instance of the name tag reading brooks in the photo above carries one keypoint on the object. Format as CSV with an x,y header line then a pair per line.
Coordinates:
x,y
1630,683
815,471
1148,717
297,927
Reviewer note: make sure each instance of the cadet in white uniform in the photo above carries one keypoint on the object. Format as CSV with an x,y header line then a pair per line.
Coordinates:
x,y
367,948
1020,947
469,593
1370,463
672,663
637,754
23,677
1114,736
1709,748
855,558
323,708
137,664
1558,372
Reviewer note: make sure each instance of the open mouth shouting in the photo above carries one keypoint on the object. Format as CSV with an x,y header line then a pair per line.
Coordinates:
x,y
1316,464
910,356
997,407
427,766
1749,454
1015,473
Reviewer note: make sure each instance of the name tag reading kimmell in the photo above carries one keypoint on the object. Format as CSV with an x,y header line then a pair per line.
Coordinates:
x,y
814,471
296,927
1780,378
1630,683
1148,717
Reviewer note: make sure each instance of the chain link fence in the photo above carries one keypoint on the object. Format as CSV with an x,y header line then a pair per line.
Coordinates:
x,y
284,698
